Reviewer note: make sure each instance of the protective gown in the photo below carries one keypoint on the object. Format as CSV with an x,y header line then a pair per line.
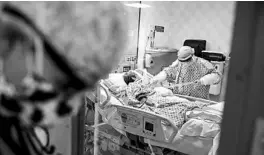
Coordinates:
x,y
193,70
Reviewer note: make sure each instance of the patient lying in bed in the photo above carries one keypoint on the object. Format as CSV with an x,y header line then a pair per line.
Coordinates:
x,y
121,82
158,99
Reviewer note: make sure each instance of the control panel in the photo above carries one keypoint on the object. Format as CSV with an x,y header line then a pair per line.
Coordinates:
x,y
130,119
149,127
137,122
128,62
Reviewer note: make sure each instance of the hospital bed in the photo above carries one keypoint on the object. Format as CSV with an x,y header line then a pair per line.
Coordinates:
x,y
154,129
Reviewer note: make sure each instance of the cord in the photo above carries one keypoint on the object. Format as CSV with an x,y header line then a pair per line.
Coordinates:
x,y
17,147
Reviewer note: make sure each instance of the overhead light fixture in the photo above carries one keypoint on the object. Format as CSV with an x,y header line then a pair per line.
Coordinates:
x,y
137,5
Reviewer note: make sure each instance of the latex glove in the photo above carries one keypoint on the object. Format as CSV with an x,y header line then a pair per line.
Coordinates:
x,y
210,79
202,81
158,78
199,82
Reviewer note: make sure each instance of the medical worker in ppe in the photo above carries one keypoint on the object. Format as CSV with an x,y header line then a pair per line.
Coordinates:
x,y
192,75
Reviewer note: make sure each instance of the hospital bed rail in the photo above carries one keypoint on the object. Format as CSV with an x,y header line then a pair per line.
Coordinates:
x,y
135,121
156,129
139,122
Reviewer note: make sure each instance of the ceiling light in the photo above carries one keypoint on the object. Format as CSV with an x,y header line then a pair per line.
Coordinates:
x,y
137,5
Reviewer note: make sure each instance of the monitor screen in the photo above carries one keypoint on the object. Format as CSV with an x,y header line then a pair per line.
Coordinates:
x,y
149,126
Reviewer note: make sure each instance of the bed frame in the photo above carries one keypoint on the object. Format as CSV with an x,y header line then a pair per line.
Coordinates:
x,y
157,130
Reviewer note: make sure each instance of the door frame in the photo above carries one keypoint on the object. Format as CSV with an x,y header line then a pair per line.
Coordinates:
x,y
243,94
77,135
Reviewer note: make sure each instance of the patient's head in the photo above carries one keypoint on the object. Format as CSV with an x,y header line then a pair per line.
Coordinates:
x,y
129,77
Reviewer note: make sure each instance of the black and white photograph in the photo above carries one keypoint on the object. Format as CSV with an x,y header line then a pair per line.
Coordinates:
x,y
132,77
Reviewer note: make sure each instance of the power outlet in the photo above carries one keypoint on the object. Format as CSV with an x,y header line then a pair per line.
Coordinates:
x,y
130,58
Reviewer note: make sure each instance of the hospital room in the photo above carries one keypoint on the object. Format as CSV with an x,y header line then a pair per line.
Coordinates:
x,y
131,78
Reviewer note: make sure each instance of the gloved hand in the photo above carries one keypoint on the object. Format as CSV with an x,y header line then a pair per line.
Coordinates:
x,y
158,78
200,82
211,79
153,81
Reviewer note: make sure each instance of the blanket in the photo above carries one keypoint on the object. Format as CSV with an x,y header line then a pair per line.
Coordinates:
x,y
171,107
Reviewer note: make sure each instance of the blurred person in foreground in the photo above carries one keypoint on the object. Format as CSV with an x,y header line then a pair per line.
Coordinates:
x,y
76,54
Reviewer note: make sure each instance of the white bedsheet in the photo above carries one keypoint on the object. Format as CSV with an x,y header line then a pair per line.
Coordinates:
x,y
198,133
215,146
205,122
202,128
212,113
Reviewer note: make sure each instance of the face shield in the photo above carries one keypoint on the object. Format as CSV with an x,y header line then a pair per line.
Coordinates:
x,y
185,54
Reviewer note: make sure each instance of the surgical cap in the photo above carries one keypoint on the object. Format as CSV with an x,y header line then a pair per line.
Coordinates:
x,y
185,53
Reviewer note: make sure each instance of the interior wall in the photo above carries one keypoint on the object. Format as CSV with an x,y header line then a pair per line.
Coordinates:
x,y
130,53
133,15
212,21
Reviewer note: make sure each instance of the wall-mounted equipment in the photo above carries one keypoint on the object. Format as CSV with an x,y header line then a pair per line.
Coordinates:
x,y
149,62
218,59
199,45
213,56
216,89
152,52
161,58
151,36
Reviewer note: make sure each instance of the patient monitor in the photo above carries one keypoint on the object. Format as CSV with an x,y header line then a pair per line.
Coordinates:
x,y
149,127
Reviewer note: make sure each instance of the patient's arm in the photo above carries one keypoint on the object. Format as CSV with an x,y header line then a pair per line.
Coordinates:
x,y
162,91
134,89
130,92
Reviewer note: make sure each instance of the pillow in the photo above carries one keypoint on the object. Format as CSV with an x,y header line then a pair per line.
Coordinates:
x,y
115,82
117,79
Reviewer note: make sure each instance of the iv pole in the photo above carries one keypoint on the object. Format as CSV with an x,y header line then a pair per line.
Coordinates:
x,y
139,19
96,119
